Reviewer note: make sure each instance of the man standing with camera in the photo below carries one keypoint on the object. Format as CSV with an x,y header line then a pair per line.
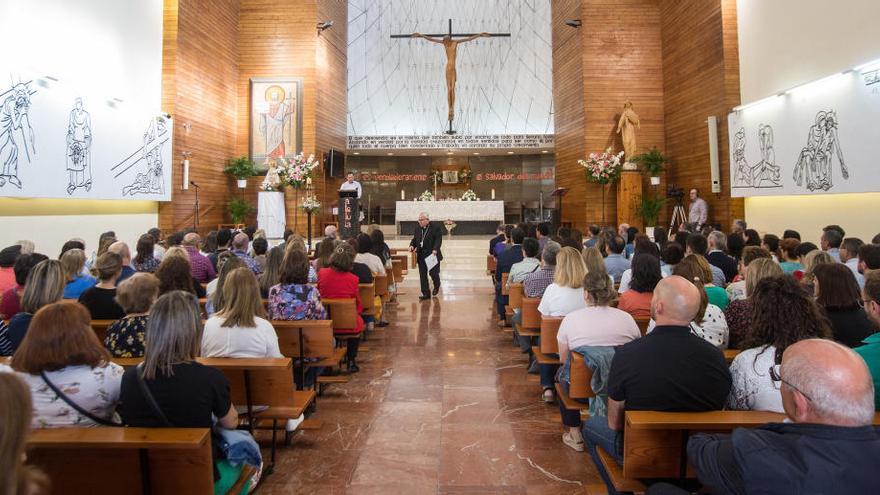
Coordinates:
x,y
698,213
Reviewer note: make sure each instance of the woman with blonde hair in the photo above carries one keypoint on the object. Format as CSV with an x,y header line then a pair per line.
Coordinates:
x,y
72,262
811,261
709,323
271,270
101,299
15,420
240,328
225,264
595,262
125,337
566,293
739,313
44,285
72,381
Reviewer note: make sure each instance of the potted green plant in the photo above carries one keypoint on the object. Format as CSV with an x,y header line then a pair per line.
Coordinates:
x,y
652,163
239,209
648,209
241,168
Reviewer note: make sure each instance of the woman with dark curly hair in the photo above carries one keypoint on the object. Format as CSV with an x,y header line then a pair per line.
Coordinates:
x,y
838,294
175,273
645,276
783,313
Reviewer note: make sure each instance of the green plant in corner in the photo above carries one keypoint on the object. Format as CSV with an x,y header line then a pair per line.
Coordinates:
x,y
652,162
241,168
239,209
648,208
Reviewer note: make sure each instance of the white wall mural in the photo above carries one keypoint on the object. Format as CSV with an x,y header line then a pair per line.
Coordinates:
x,y
83,119
821,138
399,86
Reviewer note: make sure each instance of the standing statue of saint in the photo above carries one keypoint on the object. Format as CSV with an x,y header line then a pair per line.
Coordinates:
x,y
451,47
626,127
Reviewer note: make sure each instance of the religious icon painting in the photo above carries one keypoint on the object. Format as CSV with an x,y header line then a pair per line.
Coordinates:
x,y
276,119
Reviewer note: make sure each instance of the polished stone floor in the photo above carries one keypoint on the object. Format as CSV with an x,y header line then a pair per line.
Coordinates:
x,y
442,405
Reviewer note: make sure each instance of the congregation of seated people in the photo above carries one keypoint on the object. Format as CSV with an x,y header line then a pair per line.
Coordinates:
x,y
177,299
738,322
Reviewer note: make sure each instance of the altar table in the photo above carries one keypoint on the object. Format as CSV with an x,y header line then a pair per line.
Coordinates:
x,y
471,217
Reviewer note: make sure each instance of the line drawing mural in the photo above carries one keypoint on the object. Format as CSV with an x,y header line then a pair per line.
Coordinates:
x,y
763,174
79,144
151,179
15,124
816,160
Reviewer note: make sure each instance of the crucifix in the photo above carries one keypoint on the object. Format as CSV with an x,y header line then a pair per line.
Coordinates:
x,y
450,44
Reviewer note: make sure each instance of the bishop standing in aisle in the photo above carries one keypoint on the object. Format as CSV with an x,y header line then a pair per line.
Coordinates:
x,y
426,242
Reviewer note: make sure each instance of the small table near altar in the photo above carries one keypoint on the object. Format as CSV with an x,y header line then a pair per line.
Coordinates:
x,y
471,217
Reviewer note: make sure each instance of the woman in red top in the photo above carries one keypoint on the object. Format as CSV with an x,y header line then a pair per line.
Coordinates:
x,y
645,277
337,281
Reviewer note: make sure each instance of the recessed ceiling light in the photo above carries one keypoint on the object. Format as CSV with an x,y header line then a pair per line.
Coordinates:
x,y
476,152
390,154
356,153
424,154
545,151
448,152
509,152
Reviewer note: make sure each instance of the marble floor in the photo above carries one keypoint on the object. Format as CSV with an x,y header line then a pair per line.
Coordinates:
x,y
442,405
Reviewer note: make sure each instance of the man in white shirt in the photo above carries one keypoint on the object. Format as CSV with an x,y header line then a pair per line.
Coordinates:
x,y
352,185
830,242
849,256
698,213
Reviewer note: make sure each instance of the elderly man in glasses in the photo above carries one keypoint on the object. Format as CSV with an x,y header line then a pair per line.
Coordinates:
x,y
829,445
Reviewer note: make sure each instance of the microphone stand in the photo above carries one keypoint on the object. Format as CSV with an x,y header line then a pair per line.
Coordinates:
x,y
196,207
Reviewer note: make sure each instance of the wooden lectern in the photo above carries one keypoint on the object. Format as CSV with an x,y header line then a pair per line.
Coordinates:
x,y
349,214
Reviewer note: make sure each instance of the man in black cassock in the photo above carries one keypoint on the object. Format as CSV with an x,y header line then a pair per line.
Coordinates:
x,y
426,241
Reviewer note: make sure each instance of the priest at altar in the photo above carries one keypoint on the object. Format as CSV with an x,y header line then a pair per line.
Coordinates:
x,y
470,217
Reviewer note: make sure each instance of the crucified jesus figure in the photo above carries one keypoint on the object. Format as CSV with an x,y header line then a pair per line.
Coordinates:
x,y
451,46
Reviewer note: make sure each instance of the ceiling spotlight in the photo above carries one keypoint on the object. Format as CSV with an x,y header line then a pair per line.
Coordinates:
x,y
476,152
509,152
323,26
545,151
356,153
448,152
390,154
575,23
424,154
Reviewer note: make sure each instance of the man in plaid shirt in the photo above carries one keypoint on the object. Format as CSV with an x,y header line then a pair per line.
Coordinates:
x,y
535,283
239,248
202,269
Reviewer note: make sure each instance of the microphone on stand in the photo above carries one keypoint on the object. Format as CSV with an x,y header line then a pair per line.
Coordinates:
x,y
193,183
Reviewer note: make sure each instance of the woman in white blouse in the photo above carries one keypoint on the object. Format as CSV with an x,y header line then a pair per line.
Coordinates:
x,y
782,315
72,381
566,293
240,330
365,256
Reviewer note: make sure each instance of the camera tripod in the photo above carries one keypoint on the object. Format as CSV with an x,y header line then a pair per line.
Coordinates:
x,y
679,217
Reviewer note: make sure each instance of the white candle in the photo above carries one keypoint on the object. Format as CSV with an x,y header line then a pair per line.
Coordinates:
x,y
493,193
308,181
186,174
402,194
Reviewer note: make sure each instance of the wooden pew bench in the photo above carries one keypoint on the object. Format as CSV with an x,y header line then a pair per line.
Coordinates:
x,y
549,344
127,460
303,339
580,388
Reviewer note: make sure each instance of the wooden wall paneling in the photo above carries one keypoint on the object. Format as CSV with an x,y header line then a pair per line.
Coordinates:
x,y
277,38
568,105
200,69
331,110
700,79
613,57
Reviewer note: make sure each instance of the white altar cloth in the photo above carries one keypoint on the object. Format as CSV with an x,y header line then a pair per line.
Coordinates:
x,y
270,213
459,211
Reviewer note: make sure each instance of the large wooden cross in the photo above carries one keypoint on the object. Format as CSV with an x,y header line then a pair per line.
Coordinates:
x,y
450,44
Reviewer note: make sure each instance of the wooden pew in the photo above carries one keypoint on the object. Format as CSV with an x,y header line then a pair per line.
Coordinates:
x,y
381,283
514,299
311,339
491,264
368,294
549,344
643,323
531,318
258,382
343,314
729,354
580,379
403,257
100,327
159,460
397,269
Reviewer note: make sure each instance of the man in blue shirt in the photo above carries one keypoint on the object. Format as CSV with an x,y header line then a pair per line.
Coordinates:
x,y
615,262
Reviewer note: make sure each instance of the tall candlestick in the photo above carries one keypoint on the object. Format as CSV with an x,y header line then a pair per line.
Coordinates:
x,y
493,193
402,195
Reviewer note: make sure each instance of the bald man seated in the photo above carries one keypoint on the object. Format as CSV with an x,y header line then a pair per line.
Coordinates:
x,y
239,248
670,369
201,268
830,445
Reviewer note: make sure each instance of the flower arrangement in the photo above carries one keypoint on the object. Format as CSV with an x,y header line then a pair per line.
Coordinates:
x,y
272,181
310,204
298,172
469,195
602,168
425,196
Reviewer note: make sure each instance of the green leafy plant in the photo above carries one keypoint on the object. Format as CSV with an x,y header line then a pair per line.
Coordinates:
x,y
652,162
241,168
239,209
648,208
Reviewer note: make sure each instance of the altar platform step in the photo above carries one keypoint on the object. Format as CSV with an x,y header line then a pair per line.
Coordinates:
x,y
463,265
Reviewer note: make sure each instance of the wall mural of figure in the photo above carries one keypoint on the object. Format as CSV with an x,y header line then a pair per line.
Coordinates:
x,y
151,179
766,173
743,175
815,163
275,122
79,144
16,133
